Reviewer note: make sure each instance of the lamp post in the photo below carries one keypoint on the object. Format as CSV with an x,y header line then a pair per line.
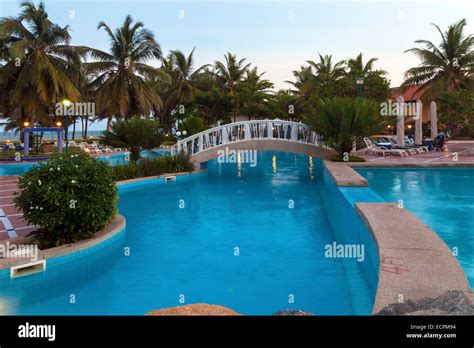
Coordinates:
x,y
360,82
66,103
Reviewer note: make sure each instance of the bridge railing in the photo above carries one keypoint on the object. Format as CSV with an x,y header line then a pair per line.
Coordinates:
x,y
248,130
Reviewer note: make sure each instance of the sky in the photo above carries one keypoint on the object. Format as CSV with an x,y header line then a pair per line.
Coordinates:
x,y
277,36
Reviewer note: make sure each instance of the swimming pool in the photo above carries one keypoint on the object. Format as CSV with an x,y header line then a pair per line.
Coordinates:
x,y
226,236
118,158
443,198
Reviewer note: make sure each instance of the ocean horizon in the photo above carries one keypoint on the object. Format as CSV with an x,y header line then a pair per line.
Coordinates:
x,y
12,135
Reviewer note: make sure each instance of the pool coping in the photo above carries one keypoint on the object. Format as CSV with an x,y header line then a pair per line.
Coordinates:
x,y
409,165
116,226
343,175
154,177
415,262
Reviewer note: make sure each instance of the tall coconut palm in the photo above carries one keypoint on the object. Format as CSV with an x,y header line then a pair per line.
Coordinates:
x,y
121,76
325,70
359,69
38,57
301,76
183,77
230,72
447,66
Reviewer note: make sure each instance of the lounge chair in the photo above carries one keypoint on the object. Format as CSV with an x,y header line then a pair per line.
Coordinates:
x,y
413,150
420,148
374,148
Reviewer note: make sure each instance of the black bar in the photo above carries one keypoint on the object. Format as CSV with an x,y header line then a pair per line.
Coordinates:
x,y
137,331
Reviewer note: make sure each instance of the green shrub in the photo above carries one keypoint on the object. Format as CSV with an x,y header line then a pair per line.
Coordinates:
x,y
176,163
339,158
69,199
125,171
134,134
152,167
341,121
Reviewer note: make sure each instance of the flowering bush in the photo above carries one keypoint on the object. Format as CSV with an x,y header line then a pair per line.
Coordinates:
x,y
69,199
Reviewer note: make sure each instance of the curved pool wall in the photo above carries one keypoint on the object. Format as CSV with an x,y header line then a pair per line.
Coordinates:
x,y
349,228
35,295
443,198
59,279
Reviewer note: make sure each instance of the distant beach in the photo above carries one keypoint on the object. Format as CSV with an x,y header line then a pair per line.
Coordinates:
x,y
47,135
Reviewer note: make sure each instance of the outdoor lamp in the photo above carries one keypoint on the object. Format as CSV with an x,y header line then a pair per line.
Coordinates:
x,y
26,124
59,124
178,133
360,80
184,133
409,126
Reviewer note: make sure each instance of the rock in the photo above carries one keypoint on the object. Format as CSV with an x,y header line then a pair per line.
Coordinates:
x,y
194,309
292,312
452,302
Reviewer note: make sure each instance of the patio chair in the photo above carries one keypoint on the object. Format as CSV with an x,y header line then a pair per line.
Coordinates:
x,y
383,150
413,150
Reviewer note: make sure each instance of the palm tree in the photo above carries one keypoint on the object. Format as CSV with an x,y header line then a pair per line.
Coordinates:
x,y
444,67
342,121
121,76
301,76
38,61
325,70
357,67
231,72
184,79
134,134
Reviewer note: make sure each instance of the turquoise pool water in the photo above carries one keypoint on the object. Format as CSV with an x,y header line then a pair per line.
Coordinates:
x,y
118,158
443,198
227,236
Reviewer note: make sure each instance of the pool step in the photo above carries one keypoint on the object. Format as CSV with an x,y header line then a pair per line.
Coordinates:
x,y
27,269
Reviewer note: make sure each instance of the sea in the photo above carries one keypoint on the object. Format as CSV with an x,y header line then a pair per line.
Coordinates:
x,y
49,135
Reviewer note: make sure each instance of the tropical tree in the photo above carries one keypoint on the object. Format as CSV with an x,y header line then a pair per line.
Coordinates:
x,y
134,134
231,72
121,76
183,84
456,111
325,70
342,121
357,67
255,96
38,59
449,65
193,125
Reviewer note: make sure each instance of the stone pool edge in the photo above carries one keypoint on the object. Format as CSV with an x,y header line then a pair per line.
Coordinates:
x,y
67,251
414,262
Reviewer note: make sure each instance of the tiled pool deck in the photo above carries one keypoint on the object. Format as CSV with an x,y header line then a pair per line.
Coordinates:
x,y
12,224
456,153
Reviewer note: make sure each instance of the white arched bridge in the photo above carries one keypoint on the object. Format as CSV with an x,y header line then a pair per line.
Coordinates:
x,y
277,135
